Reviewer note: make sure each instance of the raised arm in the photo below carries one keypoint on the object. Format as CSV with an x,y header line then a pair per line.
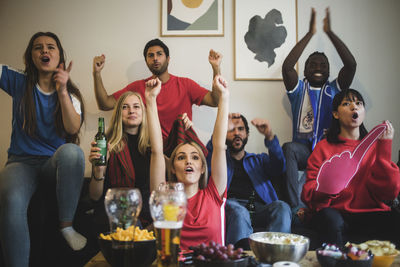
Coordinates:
x,y
71,119
211,98
157,162
346,74
218,159
289,73
263,127
274,163
104,101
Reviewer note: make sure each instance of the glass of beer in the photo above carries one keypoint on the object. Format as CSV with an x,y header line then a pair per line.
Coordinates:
x,y
168,209
123,206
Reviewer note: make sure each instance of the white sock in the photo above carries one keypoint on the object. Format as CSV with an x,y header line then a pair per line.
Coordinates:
x,y
74,239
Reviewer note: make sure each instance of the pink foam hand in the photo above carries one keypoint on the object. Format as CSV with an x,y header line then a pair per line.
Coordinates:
x,y
336,173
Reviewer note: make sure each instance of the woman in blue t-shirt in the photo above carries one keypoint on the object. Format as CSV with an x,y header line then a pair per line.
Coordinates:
x,y
47,117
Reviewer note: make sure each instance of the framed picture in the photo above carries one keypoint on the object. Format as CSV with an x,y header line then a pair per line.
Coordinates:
x,y
192,17
265,32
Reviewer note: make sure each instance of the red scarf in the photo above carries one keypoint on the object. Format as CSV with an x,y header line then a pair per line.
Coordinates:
x,y
178,135
120,169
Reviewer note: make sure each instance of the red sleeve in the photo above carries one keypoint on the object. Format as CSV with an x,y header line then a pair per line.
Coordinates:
x,y
136,86
195,91
212,190
385,175
313,199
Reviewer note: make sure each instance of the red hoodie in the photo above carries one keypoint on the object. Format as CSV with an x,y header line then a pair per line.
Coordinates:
x,y
377,179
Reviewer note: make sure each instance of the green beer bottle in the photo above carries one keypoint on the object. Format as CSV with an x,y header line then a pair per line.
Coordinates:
x,y
101,141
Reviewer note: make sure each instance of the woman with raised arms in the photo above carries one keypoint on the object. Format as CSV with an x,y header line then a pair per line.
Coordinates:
x,y
205,217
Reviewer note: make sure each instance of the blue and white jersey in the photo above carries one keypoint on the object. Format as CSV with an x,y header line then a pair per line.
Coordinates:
x,y
46,141
320,100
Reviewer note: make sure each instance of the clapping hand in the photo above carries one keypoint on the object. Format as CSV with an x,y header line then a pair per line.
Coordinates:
x,y
327,21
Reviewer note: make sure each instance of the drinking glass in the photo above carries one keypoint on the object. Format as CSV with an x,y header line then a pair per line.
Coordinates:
x,y
123,206
168,210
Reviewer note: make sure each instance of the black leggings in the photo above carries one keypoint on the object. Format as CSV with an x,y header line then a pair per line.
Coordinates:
x,y
334,227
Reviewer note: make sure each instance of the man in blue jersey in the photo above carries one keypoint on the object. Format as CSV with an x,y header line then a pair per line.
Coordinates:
x,y
311,102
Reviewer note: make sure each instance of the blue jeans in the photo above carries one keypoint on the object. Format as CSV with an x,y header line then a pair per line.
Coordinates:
x,y
273,217
296,155
19,180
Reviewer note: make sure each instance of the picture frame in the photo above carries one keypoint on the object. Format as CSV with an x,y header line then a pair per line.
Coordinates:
x,y
180,18
256,21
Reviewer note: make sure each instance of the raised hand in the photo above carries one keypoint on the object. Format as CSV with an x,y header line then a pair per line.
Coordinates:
x,y
389,132
186,121
231,118
327,21
61,77
215,58
264,127
313,28
221,86
153,88
98,63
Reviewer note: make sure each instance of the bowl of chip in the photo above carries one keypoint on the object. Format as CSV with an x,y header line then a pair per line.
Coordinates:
x,y
384,260
384,252
141,253
271,247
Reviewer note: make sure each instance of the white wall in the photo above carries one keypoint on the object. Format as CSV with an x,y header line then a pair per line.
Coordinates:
x,y
120,29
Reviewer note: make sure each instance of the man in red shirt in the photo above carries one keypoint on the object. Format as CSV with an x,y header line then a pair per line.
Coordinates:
x,y
177,94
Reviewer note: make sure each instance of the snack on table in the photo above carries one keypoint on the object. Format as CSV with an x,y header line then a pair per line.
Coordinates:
x,y
216,252
129,234
350,251
283,239
378,248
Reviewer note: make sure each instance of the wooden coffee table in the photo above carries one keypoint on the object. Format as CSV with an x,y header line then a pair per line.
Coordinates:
x,y
310,260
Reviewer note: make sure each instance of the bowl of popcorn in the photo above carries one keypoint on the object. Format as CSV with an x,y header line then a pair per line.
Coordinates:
x,y
216,255
271,247
131,245
384,252
331,255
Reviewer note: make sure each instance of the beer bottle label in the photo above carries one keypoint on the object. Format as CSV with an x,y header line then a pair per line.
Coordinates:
x,y
103,145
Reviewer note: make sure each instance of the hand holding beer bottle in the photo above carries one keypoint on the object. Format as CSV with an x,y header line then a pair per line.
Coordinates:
x,y
168,209
101,142
98,154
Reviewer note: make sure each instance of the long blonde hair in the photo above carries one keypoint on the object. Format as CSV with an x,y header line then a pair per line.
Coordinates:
x,y
116,135
203,177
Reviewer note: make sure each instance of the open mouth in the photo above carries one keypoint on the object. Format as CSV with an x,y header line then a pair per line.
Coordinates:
x,y
318,74
45,59
189,169
355,115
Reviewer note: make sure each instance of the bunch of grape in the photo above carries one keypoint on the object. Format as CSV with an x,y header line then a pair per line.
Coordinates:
x,y
216,252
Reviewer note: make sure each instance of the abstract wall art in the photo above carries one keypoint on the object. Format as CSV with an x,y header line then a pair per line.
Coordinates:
x,y
192,17
265,32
